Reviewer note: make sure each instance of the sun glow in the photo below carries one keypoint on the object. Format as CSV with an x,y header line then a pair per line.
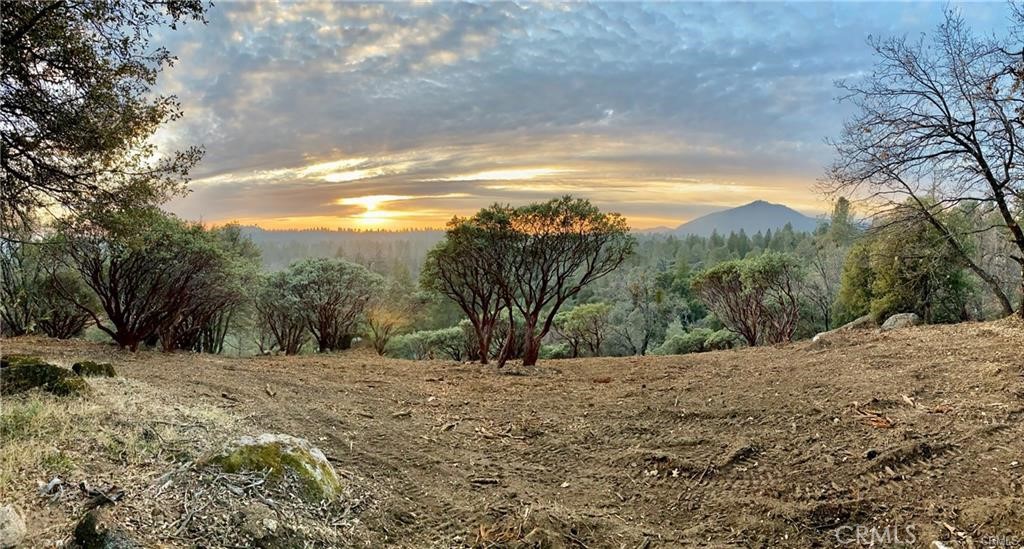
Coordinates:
x,y
376,214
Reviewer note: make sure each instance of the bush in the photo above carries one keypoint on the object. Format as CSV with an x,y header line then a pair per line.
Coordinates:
x,y
559,350
698,340
446,343
687,342
722,339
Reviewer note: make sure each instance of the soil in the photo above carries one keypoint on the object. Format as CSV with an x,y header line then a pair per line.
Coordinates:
x,y
916,434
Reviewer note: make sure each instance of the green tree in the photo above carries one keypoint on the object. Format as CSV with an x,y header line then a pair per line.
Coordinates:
x,y
332,295
756,297
144,266
584,326
77,103
855,287
544,254
21,279
458,269
218,295
281,324
525,262
60,317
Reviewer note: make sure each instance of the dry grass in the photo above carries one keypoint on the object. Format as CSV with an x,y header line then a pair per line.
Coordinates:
x,y
123,434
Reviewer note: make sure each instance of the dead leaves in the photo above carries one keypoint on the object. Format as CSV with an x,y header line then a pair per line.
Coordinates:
x,y
874,418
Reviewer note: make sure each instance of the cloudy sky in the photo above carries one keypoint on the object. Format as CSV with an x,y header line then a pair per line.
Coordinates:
x,y
400,115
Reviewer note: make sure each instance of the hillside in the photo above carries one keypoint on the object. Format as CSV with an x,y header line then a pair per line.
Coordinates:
x,y
753,217
780,446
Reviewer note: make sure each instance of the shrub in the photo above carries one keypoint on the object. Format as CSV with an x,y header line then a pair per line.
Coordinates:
x,y
556,351
698,340
721,339
446,343
686,342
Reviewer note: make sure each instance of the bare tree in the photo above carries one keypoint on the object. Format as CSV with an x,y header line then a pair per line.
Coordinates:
x,y
938,127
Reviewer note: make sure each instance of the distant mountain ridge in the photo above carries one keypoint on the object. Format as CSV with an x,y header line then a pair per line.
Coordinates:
x,y
751,218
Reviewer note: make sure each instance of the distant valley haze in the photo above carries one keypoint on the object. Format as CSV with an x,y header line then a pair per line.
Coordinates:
x,y
400,115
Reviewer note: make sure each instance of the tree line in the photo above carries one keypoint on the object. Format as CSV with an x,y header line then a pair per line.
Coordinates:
x,y
927,188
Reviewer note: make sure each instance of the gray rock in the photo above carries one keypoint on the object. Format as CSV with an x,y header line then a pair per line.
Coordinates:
x,y
12,527
863,323
901,320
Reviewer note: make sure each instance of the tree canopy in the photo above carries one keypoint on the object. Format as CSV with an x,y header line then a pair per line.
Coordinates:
x,y
77,106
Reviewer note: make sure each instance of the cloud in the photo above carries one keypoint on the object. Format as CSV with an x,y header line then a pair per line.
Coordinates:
x,y
303,105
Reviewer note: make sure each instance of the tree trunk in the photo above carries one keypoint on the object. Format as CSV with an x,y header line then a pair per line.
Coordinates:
x,y
1020,306
506,350
483,338
531,351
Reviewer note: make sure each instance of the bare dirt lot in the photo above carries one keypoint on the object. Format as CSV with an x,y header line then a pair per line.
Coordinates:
x,y
920,428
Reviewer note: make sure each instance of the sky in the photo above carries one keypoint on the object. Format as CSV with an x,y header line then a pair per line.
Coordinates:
x,y
401,115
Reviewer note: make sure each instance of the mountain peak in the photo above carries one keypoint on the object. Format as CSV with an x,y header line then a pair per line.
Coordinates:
x,y
759,215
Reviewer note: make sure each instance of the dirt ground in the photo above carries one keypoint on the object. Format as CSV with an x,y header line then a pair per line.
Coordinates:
x,y
915,434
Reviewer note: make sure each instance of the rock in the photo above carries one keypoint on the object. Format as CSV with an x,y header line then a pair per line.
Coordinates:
x,y
23,374
282,455
7,361
12,527
259,522
97,531
825,339
822,337
901,320
863,323
822,340
88,368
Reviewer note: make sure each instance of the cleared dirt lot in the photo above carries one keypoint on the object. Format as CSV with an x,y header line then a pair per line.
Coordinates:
x,y
922,427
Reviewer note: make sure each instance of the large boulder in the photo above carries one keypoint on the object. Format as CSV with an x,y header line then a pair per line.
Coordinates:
x,y
88,368
863,323
901,320
284,456
825,339
12,527
21,374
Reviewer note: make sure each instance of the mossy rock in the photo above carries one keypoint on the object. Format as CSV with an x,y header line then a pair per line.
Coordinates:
x,y
21,376
283,456
16,360
88,368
